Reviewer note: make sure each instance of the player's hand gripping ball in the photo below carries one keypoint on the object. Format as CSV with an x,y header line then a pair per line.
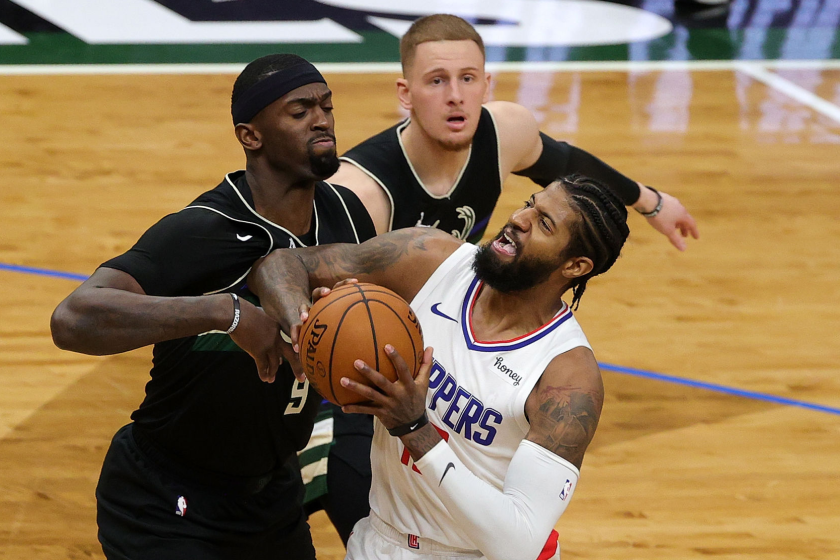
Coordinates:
x,y
355,322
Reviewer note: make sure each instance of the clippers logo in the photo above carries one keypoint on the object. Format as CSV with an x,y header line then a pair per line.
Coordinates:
x,y
464,413
182,506
318,330
567,490
414,542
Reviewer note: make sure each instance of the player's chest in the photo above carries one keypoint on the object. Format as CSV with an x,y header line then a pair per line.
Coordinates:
x,y
479,396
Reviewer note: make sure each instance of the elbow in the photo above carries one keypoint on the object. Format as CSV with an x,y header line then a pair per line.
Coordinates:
x,y
61,328
66,329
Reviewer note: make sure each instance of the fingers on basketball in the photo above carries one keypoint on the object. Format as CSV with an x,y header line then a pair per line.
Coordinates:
x,y
355,322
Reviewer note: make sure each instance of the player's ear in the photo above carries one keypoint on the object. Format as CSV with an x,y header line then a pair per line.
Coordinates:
x,y
404,94
248,136
577,267
486,97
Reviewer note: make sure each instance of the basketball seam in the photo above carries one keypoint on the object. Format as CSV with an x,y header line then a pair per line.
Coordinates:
x,y
372,326
407,331
311,322
335,341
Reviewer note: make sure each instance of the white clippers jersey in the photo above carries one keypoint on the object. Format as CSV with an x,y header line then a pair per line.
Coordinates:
x,y
476,399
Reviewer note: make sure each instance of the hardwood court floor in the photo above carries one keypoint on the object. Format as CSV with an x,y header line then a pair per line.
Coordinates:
x,y
675,472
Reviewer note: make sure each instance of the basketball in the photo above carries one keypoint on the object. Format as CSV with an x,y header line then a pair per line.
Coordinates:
x,y
355,322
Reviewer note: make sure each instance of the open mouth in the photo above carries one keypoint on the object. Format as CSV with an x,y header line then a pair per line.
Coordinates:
x,y
505,244
456,122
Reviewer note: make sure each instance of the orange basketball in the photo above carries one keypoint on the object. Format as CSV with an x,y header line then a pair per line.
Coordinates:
x,y
355,322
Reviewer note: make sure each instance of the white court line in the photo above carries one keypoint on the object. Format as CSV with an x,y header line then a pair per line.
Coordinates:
x,y
792,90
394,67
756,69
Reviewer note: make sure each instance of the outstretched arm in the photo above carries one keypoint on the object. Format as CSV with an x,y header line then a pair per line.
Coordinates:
x,y
110,313
400,260
515,522
530,153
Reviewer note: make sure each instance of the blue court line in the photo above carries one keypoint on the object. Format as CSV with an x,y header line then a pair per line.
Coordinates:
x,y
719,388
43,272
608,367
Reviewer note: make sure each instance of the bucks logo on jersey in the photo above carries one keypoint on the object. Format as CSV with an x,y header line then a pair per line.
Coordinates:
x,y
465,213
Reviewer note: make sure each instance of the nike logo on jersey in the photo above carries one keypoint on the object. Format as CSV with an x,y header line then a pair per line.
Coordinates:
x,y
440,313
451,465
243,237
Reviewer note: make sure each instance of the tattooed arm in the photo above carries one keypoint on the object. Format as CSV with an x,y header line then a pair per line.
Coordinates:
x,y
565,405
516,521
400,260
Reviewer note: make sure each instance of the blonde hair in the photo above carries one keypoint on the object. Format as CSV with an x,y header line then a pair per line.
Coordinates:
x,y
437,27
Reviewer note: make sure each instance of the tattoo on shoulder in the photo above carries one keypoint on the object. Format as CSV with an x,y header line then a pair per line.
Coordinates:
x,y
566,420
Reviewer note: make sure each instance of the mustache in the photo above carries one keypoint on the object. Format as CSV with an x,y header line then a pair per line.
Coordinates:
x,y
325,136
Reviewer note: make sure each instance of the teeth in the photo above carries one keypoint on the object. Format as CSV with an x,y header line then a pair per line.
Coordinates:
x,y
509,240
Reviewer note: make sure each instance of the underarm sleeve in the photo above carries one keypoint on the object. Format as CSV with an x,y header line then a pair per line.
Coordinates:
x,y
513,523
559,159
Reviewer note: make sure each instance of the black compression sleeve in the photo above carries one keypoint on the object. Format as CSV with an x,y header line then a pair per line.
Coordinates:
x,y
559,159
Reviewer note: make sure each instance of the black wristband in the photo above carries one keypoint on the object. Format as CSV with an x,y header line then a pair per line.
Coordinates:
x,y
236,313
410,427
658,208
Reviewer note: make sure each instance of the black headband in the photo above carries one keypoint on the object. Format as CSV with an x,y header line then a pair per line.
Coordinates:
x,y
267,91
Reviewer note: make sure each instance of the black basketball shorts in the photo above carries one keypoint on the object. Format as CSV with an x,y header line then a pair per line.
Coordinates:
x,y
146,513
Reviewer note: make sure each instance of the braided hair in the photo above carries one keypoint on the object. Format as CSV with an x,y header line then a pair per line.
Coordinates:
x,y
599,232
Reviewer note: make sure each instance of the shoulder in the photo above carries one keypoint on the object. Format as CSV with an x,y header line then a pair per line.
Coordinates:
x,y
372,192
519,135
355,177
344,211
511,117
192,221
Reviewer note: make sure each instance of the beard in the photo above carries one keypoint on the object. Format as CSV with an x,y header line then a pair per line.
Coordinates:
x,y
323,166
454,146
523,273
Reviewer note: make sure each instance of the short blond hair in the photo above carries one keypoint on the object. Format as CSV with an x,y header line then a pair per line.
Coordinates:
x,y
437,27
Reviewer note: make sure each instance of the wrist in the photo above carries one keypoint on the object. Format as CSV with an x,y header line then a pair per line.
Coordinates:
x,y
409,427
421,441
649,203
234,316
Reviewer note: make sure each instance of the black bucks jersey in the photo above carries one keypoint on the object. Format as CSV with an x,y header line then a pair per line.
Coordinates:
x,y
464,211
205,403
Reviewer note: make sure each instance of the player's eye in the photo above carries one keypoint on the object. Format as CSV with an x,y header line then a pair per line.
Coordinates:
x,y
299,115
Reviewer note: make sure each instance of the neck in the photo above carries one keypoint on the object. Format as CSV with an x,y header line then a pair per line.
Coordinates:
x,y
437,167
503,316
281,199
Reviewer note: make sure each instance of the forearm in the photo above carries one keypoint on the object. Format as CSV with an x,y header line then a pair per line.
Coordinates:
x,y
509,524
559,159
102,321
281,281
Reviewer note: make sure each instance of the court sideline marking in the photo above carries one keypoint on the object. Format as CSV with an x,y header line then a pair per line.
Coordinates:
x,y
609,367
792,90
758,70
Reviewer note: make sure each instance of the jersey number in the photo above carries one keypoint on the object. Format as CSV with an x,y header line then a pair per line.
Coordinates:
x,y
298,397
